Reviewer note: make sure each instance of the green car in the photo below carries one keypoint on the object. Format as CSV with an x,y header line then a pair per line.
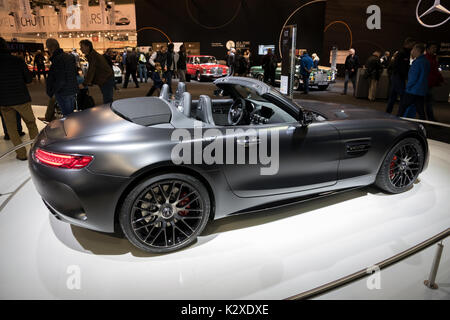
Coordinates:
x,y
320,77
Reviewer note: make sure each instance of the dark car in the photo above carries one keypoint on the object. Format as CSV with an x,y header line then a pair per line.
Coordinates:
x,y
144,164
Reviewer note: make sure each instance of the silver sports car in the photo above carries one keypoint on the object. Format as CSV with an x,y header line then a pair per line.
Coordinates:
x,y
160,168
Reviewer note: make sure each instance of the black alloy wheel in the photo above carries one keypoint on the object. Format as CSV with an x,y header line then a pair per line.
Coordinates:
x,y
165,213
401,167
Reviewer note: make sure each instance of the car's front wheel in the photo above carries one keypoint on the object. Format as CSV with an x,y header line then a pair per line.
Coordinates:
x,y
165,213
401,166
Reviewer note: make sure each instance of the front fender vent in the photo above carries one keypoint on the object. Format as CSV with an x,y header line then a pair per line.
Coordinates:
x,y
357,148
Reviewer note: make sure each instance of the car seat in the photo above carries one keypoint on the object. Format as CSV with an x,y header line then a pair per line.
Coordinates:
x,y
164,92
181,88
204,110
185,104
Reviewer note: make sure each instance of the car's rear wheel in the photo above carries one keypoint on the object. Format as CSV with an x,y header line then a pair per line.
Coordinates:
x,y
165,213
260,77
401,166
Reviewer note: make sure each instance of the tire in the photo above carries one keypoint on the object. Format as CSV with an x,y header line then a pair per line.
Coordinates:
x,y
401,166
323,88
154,225
198,76
188,77
260,77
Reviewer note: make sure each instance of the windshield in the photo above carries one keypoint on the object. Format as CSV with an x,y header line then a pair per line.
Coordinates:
x,y
204,60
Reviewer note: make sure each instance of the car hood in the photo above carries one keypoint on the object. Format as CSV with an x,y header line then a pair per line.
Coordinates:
x,y
333,111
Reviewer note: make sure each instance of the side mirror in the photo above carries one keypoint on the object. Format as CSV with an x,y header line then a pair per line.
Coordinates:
x,y
306,118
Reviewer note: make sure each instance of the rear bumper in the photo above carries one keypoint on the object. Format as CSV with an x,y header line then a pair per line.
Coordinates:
x,y
79,196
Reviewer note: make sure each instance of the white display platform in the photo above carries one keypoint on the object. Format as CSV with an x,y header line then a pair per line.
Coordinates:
x,y
269,255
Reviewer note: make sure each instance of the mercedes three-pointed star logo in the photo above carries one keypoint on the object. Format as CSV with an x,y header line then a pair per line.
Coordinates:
x,y
436,7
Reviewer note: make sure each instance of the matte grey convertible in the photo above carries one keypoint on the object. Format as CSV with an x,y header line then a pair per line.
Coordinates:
x,y
118,166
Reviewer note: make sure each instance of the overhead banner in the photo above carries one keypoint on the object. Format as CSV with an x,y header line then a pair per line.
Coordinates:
x,y
79,17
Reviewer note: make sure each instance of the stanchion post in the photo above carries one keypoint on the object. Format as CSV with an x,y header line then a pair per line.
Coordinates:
x,y
430,283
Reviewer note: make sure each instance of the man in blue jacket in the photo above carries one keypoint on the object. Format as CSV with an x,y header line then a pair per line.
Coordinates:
x,y
62,77
306,65
417,86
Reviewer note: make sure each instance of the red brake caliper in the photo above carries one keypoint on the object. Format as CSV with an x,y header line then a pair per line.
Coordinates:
x,y
183,203
391,168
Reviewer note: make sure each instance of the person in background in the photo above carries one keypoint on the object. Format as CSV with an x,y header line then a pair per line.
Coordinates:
x,y
351,70
435,79
14,97
131,68
76,56
39,64
385,59
373,73
99,72
417,86
109,55
181,63
240,64
142,61
306,66
19,126
171,66
247,57
269,64
158,80
399,70
124,59
159,56
28,57
316,60
231,61
62,77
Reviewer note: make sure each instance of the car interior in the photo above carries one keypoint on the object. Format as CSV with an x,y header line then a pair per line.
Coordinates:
x,y
237,105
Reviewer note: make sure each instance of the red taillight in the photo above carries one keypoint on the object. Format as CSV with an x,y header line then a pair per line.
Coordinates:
x,y
59,160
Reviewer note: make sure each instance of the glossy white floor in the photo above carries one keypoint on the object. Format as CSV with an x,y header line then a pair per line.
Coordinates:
x,y
270,255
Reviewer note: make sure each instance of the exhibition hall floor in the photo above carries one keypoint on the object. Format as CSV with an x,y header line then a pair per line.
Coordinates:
x,y
266,255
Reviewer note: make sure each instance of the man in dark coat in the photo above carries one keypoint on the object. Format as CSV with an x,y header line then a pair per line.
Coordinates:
x,y
39,64
373,73
131,68
351,69
62,77
99,71
269,64
14,97
399,73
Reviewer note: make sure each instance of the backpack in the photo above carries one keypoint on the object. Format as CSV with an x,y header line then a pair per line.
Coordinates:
x,y
84,100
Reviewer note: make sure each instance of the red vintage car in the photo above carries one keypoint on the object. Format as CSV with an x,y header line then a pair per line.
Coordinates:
x,y
204,67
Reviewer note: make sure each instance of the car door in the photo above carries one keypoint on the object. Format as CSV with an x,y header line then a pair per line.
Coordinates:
x,y
301,158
